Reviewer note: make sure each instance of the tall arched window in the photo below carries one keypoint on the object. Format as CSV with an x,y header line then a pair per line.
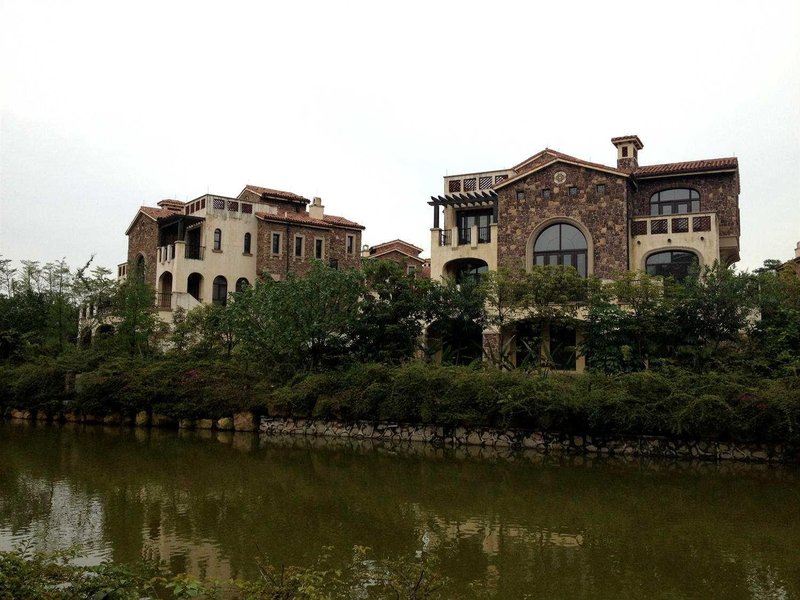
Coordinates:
x,y
561,244
247,243
674,202
139,268
219,291
217,239
671,263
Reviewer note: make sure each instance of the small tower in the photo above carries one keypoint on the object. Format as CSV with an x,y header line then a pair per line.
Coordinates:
x,y
316,210
628,147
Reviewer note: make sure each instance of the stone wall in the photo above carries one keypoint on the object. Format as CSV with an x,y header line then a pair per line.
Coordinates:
x,y
334,245
542,442
719,193
143,239
603,215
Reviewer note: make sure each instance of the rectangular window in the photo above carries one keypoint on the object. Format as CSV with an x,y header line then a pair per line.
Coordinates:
x,y
318,248
601,188
547,193
350,244
298,245
276,243
520,195
573,191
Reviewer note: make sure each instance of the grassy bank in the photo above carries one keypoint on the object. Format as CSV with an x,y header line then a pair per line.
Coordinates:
x,y
671,401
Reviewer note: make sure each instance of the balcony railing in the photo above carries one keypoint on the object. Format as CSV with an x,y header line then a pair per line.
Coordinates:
x,y
445,237
465,236
194,252
484,234
666,224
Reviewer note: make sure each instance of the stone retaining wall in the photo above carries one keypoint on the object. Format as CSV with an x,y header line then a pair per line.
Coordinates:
x,y
542,442
438,436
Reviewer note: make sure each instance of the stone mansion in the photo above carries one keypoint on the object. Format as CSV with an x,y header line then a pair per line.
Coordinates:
x,y
198,251
555,209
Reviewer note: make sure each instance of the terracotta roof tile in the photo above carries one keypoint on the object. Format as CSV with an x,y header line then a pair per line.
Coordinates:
x,y
712,164
394,243
291,197
304,219
158,213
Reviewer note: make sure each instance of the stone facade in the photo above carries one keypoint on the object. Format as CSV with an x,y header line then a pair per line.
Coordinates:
x,y
143,240
334,240
601,215
493,219
719,193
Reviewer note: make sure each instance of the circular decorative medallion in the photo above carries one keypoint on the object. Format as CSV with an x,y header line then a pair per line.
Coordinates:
x,y
560,177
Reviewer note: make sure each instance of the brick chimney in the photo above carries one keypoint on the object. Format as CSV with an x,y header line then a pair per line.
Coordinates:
x,y
628,147
316,210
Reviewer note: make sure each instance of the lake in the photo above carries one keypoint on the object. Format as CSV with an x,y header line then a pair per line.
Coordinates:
x,y
520,525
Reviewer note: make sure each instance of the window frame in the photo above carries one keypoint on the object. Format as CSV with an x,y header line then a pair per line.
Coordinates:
x,y
692,203
275,235
247,244
670,265
560,253
349,244
319,248
302,240
217,240
217,297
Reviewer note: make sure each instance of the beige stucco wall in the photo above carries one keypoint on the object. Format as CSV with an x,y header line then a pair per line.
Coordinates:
x,y
703,243
230,261
442,255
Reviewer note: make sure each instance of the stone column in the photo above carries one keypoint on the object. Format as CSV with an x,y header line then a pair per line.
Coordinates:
x,y
492,341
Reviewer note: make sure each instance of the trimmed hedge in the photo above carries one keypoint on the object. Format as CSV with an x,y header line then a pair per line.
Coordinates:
x,y
673,402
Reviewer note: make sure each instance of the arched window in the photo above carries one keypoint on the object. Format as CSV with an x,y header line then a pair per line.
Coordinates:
x,y
467,269
672,263
561,244
139,268
219,291
674,202
194,285
247,243
217,239
242,283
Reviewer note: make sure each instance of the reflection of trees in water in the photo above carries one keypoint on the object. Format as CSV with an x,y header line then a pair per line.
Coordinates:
x,y
52,514
596,529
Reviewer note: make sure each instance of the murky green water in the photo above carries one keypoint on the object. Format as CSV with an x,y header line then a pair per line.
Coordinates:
x,y
529,526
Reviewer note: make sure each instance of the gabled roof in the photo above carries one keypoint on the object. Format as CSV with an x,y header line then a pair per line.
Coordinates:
x,y
153,213
548,157
556,155
271,193
399,251
692,166
397,241
304,219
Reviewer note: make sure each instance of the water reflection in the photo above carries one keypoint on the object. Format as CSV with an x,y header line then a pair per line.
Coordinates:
x,y
517,524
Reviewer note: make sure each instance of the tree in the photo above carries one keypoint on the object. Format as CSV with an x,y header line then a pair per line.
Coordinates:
x,y
389,324
302,322
456,317
138,326
715,307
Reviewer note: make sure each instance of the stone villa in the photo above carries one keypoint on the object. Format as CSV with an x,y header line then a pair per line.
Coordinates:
x,y
198,251
555,209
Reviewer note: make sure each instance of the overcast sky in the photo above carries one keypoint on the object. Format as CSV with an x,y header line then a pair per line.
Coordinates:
x,y
109,105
